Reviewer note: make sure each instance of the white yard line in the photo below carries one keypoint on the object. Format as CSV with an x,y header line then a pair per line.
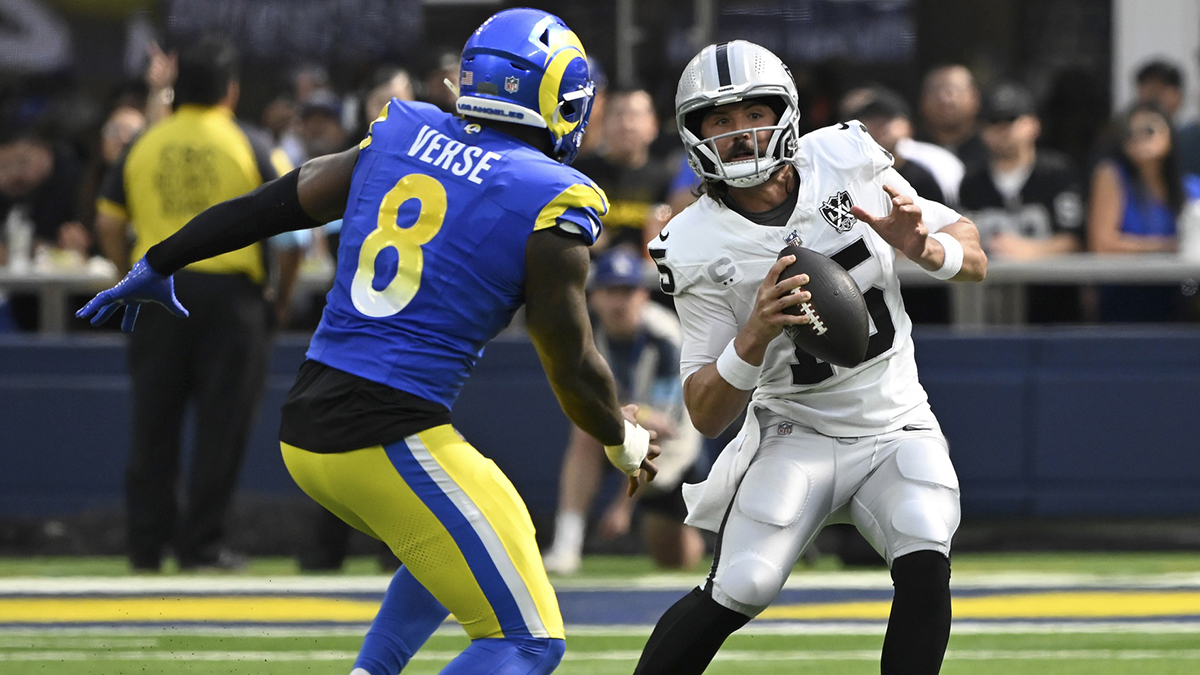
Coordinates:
x,y
624,655
67,636
868,580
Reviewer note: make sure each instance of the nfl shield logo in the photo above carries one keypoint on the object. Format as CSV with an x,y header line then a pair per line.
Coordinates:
x,y
836,211
784,429
511,84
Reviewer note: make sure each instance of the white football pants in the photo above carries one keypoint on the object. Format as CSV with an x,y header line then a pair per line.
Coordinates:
x,y
899,489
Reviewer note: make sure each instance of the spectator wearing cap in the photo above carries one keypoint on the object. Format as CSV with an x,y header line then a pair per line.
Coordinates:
x,y
892,112
640,340
321,131
949,111
1161,82
1026,201
885,115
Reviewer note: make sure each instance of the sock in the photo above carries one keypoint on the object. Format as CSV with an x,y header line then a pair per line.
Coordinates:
x,y
919,625
569,528
508,656
688,636
408,616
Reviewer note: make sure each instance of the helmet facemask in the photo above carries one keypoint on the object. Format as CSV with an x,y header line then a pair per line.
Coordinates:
x,y
574,108
705,159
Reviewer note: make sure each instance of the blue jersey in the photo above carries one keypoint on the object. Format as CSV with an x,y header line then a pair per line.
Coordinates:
x,y
431,263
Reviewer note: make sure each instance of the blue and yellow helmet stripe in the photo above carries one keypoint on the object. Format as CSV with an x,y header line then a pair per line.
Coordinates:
x,y
550,92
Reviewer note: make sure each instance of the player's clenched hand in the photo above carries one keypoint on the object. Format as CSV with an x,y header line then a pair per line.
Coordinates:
x,y
141,285
775,295
903,229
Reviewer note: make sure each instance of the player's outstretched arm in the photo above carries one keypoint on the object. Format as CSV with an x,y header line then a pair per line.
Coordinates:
x,y
313,194
557,320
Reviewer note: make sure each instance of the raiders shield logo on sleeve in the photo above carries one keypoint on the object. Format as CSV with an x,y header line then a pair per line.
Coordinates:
x,y
836,211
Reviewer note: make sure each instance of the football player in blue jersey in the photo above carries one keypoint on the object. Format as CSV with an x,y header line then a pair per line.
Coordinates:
x,y
450,223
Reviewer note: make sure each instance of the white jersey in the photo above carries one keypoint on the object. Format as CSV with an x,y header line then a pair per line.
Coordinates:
x,y
712,260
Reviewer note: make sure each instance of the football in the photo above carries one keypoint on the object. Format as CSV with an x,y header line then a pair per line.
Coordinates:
x,y
840,323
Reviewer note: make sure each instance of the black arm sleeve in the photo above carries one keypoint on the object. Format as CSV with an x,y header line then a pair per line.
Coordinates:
x,y
269,210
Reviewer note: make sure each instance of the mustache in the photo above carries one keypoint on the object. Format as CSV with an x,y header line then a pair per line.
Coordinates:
x,y
741,146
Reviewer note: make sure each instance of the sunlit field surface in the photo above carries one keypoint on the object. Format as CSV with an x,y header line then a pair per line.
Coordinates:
x,y
1099,614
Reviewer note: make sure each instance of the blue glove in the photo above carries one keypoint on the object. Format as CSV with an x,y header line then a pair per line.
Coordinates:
x,y
141,285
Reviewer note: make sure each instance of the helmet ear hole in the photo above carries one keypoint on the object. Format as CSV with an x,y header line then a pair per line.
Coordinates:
x,y
692,121
777,105
545,37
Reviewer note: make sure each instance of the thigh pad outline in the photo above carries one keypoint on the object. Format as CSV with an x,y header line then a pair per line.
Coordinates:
x,y
775,493
925,463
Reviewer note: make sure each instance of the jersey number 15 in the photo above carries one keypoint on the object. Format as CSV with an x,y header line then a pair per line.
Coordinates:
x,y
809,370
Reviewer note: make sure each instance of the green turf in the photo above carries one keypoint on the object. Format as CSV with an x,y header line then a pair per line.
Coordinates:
x,y
170,653
1109,654
630,566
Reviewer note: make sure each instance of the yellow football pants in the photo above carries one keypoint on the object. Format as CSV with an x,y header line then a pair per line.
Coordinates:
x,y
452,517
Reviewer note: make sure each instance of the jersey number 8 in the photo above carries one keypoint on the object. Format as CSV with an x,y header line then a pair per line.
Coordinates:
x,y
407,241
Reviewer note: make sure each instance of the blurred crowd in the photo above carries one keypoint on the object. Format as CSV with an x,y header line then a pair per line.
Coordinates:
x,y
1042,173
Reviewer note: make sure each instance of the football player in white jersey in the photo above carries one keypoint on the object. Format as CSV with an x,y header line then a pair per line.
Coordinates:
x,y
821,444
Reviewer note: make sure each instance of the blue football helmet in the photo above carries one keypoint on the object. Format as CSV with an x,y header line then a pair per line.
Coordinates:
x,y
525,66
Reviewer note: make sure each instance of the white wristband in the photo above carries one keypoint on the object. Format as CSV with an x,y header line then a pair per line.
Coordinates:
x,y
737,372
628,456
953,261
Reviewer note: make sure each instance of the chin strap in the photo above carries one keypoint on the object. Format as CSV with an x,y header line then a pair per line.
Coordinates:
x,y
752,180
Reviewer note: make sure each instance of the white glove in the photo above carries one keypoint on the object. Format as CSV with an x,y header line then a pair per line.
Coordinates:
x,y
628,456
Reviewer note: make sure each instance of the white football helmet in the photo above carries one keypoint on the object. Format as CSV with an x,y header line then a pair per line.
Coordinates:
x,y
727,73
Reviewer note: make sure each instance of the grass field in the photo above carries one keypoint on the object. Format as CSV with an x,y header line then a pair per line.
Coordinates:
x,y
1117,641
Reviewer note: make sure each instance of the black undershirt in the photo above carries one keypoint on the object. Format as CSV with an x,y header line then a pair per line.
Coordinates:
x,y
330,411
774,217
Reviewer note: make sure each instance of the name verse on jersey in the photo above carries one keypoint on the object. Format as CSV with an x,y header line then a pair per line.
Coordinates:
x,y
458,158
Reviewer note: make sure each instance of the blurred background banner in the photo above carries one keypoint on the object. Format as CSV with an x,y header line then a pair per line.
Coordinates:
x,y
273,32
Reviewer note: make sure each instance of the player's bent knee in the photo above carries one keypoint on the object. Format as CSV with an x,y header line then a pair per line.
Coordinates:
x,y
781,492
916,520
748,584
509,656
541,654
